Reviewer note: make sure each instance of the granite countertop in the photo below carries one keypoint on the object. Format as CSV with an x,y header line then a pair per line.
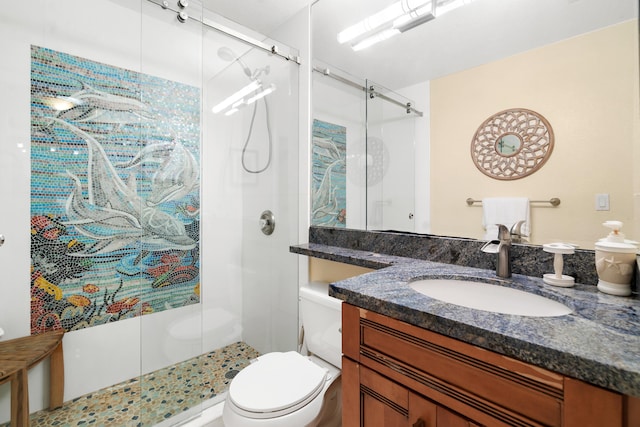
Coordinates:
x,y
599,342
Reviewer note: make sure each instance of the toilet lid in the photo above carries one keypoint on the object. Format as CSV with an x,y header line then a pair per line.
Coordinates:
x,y
277,383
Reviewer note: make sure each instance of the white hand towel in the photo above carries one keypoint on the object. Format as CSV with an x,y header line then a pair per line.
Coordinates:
x,y
506,211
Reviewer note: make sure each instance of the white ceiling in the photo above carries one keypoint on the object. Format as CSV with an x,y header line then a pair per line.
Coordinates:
x,y
263,16
480,32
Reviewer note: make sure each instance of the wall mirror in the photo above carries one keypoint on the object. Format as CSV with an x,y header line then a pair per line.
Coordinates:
x,y
362,152
575,62
512,144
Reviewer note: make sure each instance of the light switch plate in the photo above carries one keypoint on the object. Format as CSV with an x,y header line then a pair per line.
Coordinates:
x,y
602,202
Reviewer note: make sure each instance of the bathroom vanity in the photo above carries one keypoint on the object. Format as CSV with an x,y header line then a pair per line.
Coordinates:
x,y
412,360
397,374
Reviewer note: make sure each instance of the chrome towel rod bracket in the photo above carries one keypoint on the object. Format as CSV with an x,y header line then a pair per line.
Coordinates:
x,y
554,201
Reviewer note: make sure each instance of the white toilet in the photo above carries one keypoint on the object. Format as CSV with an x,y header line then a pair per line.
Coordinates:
x,y
289,389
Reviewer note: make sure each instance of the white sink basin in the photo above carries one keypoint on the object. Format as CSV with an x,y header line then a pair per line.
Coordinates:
x,y
487,297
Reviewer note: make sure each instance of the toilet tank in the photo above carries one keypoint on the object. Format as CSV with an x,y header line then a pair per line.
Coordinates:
x,y
322,321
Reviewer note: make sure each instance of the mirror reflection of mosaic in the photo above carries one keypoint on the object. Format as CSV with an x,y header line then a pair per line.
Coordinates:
x,y
329,187
512,144
114,193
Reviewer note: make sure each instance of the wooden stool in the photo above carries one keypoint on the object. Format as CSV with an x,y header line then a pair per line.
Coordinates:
x,y
16,372
32,350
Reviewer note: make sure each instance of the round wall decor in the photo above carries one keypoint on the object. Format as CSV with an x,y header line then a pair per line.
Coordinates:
x,y
512,144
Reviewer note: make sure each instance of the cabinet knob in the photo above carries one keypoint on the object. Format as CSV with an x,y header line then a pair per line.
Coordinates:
x,y
420,423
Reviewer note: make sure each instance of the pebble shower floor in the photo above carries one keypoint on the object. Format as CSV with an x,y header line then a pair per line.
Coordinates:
x,y
153,397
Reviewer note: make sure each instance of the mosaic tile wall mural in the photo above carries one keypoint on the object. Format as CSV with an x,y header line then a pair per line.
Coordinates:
x,y
329,153
114,193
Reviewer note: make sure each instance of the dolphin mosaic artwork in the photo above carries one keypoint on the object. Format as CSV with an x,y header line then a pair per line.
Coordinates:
x,y
329,199
115,197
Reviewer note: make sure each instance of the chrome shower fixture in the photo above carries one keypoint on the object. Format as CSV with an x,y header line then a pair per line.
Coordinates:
x,y
236,100
227,54
182,15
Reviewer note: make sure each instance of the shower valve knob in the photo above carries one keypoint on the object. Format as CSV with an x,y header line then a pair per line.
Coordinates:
x,y
182,17
1,240
267,222
183,3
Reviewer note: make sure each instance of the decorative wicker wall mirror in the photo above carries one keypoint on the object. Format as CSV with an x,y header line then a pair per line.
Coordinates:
x,y
512,144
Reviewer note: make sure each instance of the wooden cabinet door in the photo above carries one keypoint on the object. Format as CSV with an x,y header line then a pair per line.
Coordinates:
x,y
382,401
377,413
425,413
422,412
371,400
447,418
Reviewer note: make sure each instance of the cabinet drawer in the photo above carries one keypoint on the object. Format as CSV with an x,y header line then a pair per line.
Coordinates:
x,y
493,384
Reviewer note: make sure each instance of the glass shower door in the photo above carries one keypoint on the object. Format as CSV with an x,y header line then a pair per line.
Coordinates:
x,y
168,175
250,140
68,215
390,160
132,212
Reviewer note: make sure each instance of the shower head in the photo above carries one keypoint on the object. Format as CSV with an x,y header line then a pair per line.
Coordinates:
x,y
227,54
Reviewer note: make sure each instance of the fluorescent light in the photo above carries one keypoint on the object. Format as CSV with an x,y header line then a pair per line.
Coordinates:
x,y
231,111
372,22
379,19
444,6
254,85
395,19
413,14
414,20
376,38
261,94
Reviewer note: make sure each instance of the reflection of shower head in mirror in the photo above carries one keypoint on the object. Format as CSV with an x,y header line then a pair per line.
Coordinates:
x,y
227,54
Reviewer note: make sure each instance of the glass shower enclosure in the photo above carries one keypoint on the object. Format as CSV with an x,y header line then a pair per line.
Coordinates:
x,y
362,153
144,146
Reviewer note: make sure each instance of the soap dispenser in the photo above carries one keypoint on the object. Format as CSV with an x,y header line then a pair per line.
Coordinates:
x,y
615,258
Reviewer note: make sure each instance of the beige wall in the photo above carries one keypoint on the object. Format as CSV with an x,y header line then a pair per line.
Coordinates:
x,y
587,88
323,270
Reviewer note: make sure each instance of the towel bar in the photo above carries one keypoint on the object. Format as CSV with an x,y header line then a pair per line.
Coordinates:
x,y
553,201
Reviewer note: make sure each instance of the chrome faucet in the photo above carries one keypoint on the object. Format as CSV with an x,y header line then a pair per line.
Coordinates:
x,y
516,232
502,247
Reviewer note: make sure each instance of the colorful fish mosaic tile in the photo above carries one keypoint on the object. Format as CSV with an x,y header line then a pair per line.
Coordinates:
x,y
154,397
114,193
329,184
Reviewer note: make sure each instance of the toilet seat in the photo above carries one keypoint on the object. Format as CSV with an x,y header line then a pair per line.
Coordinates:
x,y
276,384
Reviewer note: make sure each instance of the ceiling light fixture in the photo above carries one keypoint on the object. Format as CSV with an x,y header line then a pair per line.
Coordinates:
x,y
395,19
379,19
375,38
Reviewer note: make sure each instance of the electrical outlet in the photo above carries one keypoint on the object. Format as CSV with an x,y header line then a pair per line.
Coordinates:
x,y
602,202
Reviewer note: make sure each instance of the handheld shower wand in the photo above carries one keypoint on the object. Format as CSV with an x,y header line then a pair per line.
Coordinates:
x,y
227,54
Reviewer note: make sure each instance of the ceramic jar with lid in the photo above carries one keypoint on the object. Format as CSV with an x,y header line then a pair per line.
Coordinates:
x,y
615,260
